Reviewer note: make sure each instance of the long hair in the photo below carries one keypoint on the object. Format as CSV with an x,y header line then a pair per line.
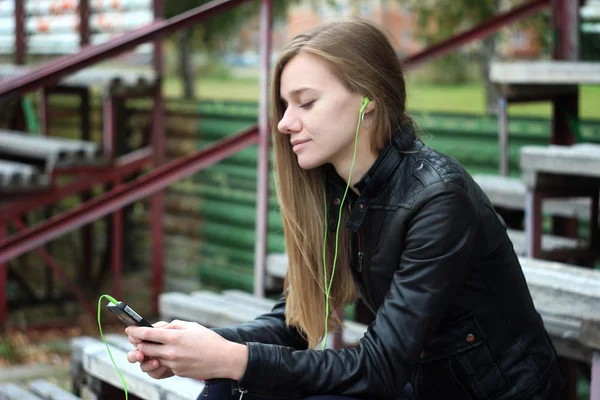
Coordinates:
x,y
363,59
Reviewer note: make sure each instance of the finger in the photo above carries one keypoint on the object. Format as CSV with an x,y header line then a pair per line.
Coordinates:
x,y
149,366
135,356
158,373
145,334
160,324
133,340
153,350
132,356
177,324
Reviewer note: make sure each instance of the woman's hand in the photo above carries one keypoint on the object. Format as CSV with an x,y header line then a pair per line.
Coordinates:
x,y
189,350
147,365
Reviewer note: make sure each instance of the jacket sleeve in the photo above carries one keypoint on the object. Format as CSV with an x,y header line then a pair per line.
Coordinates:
x,y
435,258
267,328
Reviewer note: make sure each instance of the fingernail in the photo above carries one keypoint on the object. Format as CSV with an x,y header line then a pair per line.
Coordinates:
x,y
127,330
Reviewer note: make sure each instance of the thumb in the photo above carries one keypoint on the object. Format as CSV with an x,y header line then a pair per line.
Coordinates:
x,y
160,324
177,324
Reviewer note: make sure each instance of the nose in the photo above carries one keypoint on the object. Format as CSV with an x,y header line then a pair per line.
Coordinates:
x,y
289,123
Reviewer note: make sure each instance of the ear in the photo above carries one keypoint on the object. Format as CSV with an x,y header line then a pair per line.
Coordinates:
x,y
370,107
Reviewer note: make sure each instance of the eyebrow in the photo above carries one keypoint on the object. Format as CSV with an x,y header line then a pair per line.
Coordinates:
x,y
296,92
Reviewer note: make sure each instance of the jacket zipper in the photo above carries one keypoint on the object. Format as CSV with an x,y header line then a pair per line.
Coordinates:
x,y
244,391
369,290
361,255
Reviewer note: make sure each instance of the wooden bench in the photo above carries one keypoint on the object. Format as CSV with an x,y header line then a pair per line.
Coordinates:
x,y
567,297
38,389
228,308
509,193
95,376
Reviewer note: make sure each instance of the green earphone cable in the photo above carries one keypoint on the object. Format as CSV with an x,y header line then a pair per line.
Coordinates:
x,y
337,231
115,302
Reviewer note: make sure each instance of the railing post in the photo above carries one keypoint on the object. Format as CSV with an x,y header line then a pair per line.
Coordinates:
x,y
20,45
262,196
84,22
565,46
3,283
158,148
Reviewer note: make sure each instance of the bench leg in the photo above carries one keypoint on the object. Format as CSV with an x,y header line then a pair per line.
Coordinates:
x,y
503,135
569,372
594,234
533,223
105,391
3,286
595,378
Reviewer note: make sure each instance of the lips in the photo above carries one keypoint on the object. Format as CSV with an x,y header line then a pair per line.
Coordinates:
x,y
299,141
298,144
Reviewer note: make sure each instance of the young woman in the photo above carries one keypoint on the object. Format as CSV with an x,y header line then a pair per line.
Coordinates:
x,y
370,210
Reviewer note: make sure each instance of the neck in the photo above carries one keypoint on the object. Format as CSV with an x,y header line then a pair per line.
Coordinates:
x,y
363,162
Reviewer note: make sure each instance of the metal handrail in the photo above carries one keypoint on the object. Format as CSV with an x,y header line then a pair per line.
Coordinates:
x,y
482,30
58,68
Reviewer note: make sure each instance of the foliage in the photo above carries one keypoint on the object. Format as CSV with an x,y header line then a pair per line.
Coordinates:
x,y
207,33
9,352
440,19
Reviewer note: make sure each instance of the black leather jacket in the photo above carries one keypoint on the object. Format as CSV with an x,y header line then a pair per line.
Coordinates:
x,y
453,314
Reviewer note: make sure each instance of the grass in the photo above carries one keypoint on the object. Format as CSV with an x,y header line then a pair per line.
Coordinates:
x,y
468,98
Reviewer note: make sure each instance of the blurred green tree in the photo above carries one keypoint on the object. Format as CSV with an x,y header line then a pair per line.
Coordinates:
x,y
440,19
208,33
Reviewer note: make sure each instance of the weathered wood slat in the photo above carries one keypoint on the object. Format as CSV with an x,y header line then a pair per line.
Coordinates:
x,y
576,160
545,72
549,242
10,391
509,193
96,362
49,391
567,298
229,308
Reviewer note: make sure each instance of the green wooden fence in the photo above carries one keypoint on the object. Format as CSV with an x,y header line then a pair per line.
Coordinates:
x,y
213,214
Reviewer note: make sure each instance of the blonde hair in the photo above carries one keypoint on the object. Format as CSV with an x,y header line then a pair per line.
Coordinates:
x,y
363,59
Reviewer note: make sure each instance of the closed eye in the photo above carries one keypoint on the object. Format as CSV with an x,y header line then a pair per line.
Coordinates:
x,y
307,104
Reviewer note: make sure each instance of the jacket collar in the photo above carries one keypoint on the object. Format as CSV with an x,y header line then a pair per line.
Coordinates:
x,y
372,182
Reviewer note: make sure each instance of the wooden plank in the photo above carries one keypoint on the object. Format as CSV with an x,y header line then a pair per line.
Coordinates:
x,y
277,262
50,151
181,306
19,373
97,363
509,193
248,298
549,242
10,391
214,310
564,295
563,290
19,175
545,72
576,160
49,391
277,265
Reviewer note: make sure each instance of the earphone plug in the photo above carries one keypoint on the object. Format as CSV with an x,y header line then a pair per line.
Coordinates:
x,y
366,101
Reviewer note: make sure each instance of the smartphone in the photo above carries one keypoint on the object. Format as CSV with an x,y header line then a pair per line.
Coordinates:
x,y
127,315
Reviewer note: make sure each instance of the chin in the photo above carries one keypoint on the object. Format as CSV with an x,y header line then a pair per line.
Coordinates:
x,y
308,163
